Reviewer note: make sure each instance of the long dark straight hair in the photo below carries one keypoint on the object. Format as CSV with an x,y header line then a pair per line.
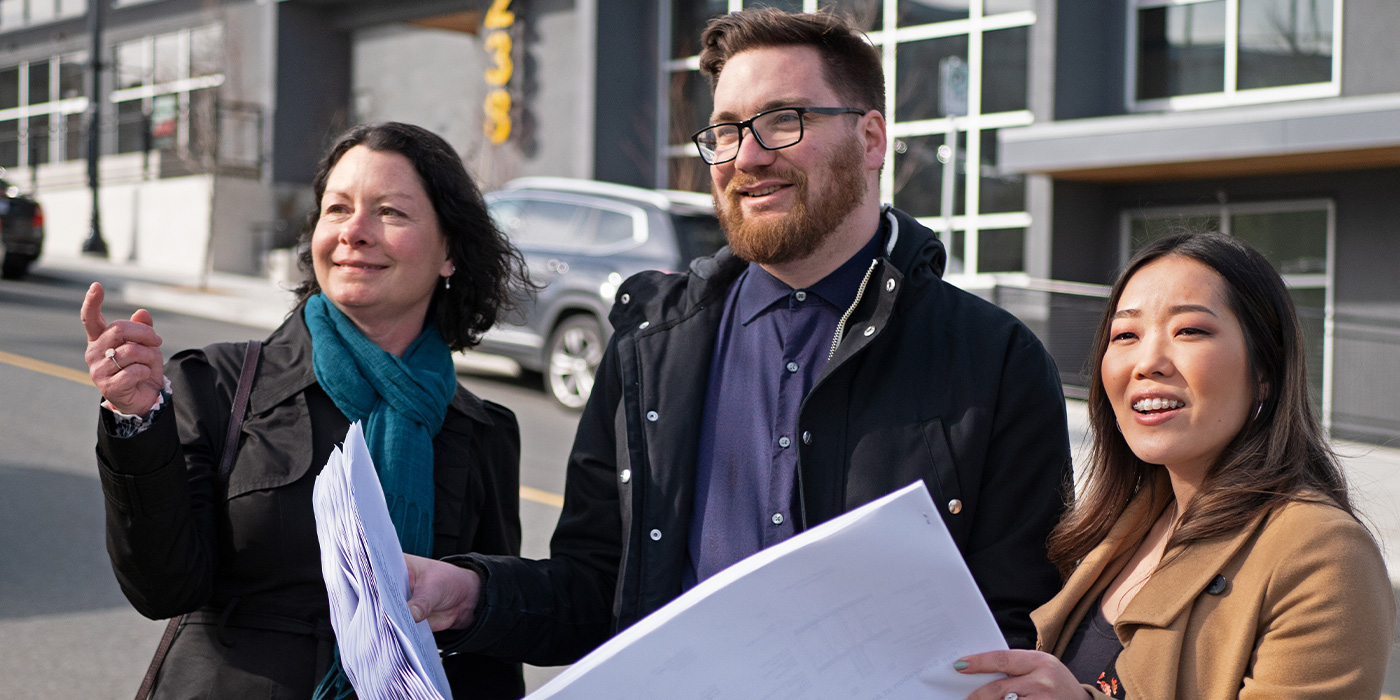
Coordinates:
x,y
1279,455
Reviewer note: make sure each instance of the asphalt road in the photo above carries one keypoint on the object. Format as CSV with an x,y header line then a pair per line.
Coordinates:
x,y
66,631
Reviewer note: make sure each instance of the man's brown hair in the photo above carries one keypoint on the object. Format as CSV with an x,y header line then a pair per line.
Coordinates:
x,y
851,64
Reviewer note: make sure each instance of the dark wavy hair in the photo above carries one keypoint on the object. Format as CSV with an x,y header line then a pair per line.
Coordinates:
x,y
1279,455
851,64
490,271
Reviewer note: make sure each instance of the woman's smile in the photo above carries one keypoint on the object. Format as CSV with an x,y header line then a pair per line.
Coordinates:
x,y
1176,368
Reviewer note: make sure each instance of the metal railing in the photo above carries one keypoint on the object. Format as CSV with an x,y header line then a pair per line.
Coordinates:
x,y
1362,394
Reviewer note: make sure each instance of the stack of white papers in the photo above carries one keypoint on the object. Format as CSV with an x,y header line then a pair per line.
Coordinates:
x,y
383,651
874,604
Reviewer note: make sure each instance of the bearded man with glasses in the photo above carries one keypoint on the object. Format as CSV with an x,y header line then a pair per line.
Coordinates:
x,y
817,363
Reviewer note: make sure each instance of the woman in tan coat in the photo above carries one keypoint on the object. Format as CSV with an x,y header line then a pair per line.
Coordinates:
x,y
1213,552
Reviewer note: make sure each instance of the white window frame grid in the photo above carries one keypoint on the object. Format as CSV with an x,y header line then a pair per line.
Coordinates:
x,y
1325,280
1230,96
181,87
59,14
969,126
57,110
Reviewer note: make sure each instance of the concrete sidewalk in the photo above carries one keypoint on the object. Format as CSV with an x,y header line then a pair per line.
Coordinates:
x,y
1373,471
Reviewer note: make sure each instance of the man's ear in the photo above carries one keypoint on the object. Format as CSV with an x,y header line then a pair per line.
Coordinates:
x,y
873,131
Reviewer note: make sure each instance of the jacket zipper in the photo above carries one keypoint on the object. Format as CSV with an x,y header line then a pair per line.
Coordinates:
x,y
841,325
835,343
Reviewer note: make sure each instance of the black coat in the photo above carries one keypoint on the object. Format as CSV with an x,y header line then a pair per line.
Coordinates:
x,y
245,561
929,382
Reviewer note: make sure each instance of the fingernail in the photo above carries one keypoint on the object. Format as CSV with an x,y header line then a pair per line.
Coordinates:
x,y
960,665
417,613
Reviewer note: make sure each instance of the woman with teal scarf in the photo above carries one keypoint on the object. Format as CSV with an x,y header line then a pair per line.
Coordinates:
x,y
405,267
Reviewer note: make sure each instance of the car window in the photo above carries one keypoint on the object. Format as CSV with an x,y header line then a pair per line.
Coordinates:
x,y
613,227
533,223
697,235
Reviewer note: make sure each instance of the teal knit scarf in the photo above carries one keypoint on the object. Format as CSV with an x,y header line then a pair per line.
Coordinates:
x,y
401,403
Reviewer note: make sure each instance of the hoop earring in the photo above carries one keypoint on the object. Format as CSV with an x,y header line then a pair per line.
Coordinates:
x,y
1258,410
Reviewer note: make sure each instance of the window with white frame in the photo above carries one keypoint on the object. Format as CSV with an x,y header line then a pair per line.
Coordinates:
x,y
1205,53
979,47
17,14
164,91
1297,239
41,108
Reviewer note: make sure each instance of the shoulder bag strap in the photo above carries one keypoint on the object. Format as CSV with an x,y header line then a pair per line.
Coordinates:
x,y
235,426
240,408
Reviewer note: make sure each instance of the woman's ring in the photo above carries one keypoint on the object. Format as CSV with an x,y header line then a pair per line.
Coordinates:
x,y
112,355
1011,696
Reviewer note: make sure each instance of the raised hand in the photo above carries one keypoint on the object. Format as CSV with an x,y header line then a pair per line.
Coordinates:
x,y
123,357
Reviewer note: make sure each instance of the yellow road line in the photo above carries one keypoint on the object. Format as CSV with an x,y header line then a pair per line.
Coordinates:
x,y
545,497
45,368
526,492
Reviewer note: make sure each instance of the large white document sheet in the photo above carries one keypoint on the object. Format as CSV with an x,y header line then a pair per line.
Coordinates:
x,y
383,651
874,604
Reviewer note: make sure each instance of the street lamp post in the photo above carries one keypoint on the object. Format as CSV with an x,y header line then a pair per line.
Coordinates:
x,y
94,244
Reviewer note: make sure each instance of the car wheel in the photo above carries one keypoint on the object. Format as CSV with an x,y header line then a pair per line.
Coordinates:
x,y
575,349
14,267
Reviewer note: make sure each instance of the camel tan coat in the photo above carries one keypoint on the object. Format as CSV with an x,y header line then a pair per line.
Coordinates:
x,y
1307,610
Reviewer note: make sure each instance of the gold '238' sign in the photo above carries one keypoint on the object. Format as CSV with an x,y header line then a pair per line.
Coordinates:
x,y
498,20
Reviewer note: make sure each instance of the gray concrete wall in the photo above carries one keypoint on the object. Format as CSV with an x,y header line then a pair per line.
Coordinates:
x,y
624,136
1089,58
428,77
313,89
1366,391
1370,48
434,78
1085,244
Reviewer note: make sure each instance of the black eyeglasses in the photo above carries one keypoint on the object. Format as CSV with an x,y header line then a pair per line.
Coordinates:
x,y
774,129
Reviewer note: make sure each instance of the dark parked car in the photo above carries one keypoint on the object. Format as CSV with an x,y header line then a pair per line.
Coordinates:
x,y
21,230
581,239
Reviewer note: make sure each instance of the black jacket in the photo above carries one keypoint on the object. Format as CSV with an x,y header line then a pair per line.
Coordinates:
x,y
928,382
245,561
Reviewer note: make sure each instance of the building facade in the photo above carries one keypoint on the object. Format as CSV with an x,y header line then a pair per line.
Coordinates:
x,y
1044,140
1277,121
214,113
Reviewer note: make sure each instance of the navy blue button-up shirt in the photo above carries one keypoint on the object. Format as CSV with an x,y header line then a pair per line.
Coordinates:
x,y
773,343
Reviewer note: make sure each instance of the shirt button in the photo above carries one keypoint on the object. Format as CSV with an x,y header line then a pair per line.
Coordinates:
x,y
955,506
655,535
777,518
626,475
644,325
801,296
806,437
784,441
792,366
652,416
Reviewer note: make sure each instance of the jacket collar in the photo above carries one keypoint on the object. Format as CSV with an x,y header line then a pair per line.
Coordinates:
x,y
285,370
912,249
1186,574
1169,592
1056,620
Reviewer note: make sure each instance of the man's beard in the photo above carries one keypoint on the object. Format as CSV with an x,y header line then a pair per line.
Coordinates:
x,y
798,233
